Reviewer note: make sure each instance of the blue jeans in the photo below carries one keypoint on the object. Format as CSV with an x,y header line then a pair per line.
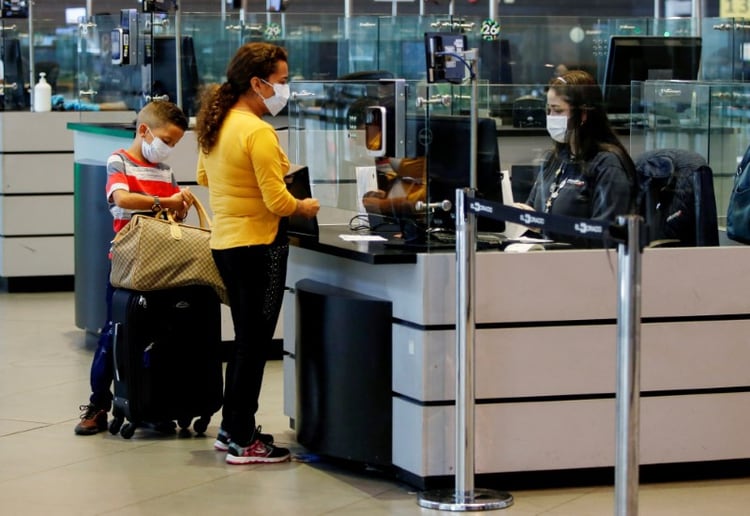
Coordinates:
x,y
102,366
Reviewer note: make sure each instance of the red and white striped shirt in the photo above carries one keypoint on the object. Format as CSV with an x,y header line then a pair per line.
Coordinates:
x,y
124,172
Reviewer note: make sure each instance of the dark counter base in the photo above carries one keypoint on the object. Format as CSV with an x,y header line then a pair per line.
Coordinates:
x,y
38,284
525,480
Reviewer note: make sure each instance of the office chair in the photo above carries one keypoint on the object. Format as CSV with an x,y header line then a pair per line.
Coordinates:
x,y
676,198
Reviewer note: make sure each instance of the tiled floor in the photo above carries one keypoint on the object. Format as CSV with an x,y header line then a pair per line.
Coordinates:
x,y
46,469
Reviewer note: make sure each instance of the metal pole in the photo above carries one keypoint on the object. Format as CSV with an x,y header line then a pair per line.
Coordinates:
x,y
32,64
347,18
493,10
473,121
465,335
465,497
178,53
628,370
697,15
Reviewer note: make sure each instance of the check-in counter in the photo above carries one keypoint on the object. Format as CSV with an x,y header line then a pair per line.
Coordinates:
x,y
545,353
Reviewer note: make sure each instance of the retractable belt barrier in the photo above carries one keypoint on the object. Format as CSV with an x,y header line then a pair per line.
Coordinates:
x,y
627,233
562,224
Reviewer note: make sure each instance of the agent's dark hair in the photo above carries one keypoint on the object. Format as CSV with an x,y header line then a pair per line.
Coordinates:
x,y
159,113
594,134
251,60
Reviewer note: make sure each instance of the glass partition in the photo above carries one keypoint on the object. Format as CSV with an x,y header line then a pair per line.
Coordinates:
x,y
528,50
708,118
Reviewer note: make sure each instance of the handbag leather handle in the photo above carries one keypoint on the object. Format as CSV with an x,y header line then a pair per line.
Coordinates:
x,y
204,221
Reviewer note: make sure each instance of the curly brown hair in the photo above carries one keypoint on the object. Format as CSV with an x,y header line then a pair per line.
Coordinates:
x,y
251,60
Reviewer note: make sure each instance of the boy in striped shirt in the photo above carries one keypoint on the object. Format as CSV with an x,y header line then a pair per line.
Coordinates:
x,y
138,181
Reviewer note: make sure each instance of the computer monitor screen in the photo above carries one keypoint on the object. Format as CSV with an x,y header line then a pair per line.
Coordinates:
x,y
74,15
445,140
495,61
164,71
641,58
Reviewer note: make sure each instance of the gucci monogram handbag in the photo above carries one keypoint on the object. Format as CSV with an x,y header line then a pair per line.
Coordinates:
x,y
153,253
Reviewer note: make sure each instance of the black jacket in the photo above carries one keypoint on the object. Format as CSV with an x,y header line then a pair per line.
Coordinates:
x,y
600,189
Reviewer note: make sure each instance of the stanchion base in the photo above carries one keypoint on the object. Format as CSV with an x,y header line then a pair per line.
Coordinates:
x,y
483,500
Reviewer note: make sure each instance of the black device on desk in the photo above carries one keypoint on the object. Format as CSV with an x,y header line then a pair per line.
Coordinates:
x,y
445,141
298,183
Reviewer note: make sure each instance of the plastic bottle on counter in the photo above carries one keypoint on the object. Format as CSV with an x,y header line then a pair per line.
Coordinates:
x,y
42,94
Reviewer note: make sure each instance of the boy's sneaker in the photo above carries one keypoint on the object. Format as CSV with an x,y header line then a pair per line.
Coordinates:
x,y
222,438
93,420
257,452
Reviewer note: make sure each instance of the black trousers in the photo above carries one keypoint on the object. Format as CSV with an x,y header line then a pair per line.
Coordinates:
x,y
254,277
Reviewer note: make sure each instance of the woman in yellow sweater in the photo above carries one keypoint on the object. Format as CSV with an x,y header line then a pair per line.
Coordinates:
x,y
243,165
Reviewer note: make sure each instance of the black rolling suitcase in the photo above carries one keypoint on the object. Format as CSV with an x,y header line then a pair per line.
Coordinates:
x,y
167,358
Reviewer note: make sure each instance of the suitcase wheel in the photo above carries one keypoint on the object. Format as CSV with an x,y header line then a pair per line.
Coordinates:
x,y
127,430
115,425
201,424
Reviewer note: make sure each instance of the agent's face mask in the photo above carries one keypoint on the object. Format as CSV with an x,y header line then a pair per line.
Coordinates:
x,y
557,127
156,151
278,100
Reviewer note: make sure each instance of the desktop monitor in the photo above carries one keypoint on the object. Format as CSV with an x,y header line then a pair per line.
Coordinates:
x,y
446,142
164,71
641,58
495,61
75,15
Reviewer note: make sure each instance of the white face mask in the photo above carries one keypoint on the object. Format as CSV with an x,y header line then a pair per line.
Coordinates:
x,y
557,127
156,151
278,100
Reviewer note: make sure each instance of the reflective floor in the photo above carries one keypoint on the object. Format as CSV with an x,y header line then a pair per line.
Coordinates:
x,y
46,469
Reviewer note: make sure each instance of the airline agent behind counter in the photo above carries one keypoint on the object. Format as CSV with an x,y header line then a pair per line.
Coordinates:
x,y
588,174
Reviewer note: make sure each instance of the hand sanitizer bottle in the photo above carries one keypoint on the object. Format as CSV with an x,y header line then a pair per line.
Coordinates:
x,y
42,94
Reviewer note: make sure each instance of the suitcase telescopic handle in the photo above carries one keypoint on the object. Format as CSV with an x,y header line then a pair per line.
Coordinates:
x,y
115,344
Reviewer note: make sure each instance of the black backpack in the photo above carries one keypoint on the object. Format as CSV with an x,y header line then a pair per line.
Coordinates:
x,y
676,197
738,211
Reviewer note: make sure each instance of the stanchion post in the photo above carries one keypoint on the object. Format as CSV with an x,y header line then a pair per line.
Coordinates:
x,y
464,497
628,369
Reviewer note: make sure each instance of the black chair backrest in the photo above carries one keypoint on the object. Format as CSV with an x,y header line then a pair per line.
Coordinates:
x,y
676,197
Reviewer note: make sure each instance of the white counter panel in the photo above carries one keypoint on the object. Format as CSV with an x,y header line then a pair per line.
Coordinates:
x,y
36,215
37,256
540,436
36,132
36,173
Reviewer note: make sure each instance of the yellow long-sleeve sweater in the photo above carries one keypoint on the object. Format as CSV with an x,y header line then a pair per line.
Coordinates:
x,y
244,173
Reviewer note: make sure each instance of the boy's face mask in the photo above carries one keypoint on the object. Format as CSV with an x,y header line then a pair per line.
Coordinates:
x,y
156,151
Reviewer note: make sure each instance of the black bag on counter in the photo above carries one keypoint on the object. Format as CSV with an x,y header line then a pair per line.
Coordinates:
x,y
738,211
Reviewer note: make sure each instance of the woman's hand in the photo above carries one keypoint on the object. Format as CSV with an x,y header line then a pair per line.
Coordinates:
x,y
522,206
308,208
